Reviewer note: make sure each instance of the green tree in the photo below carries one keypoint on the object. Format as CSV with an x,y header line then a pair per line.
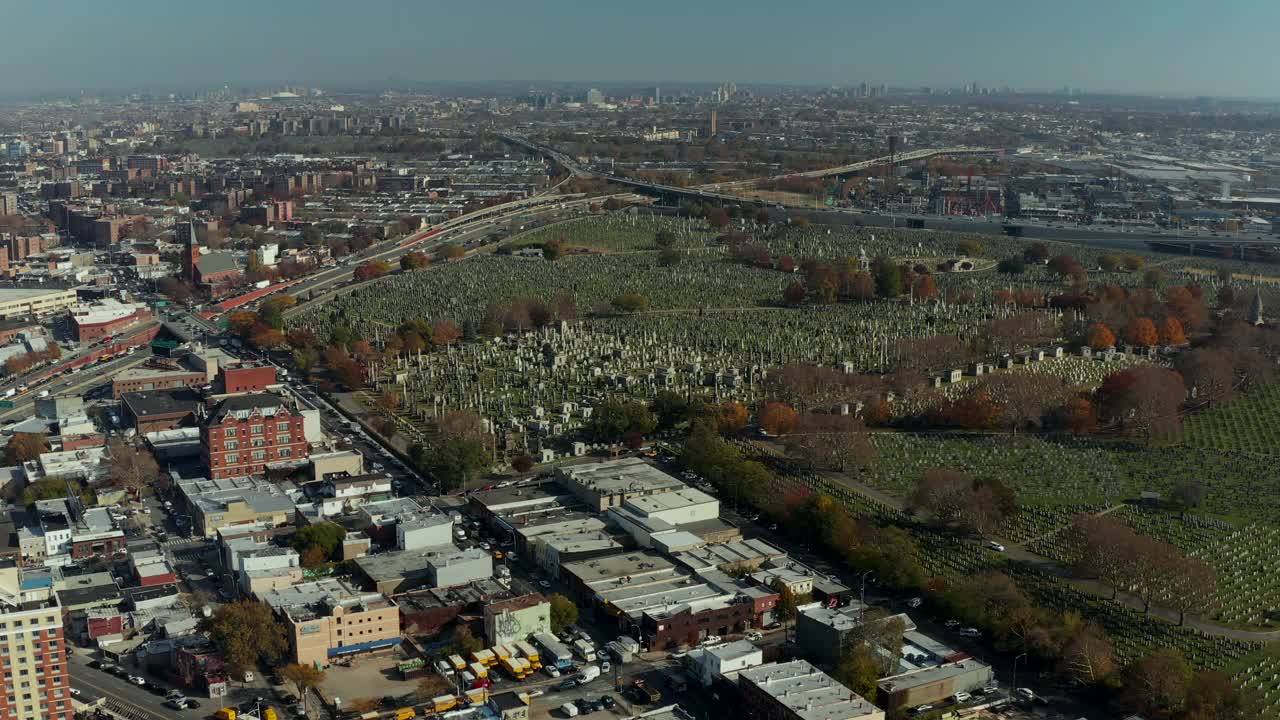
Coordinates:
x,y
671,408
888,277
631,303
787,601
563,612
613,419
464,641
319,543
665,239
859,670
246,633
458,461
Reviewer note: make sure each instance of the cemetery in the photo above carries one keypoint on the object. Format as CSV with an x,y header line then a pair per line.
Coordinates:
x,y
715,326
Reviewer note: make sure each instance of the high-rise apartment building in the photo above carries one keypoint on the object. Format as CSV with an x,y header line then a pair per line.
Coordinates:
x,y
33,653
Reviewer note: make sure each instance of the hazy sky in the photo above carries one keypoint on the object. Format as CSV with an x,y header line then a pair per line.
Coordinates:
x,y
1225,48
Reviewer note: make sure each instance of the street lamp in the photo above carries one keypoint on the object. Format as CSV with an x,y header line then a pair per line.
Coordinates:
x,y
862,598
1014,684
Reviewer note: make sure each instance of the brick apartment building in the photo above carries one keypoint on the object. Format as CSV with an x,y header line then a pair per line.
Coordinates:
x,y
241,435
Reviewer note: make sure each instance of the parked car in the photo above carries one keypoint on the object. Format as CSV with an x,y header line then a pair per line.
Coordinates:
x,y
755,635
567,684
138,680
951,624
961,697
995,546
607,702
192,704
919,709
970,632
1025,694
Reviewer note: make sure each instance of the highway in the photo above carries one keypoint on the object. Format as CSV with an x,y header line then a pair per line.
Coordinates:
x,y
1093,235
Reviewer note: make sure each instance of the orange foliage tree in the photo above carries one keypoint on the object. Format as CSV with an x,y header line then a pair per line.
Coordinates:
x,y
1142,332
1101,337
778,418
1171,332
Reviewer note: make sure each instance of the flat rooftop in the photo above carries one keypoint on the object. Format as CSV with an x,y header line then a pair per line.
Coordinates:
x,y
317,598
622,476
753,552
667,501
808,692
929,675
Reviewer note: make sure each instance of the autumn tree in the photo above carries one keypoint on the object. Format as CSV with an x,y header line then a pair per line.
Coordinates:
x,y
1157,685
1079,416
246,633
1142,332
1100,337
777,418
304,678
445,333
1171,332
25,446
925,288
1089,655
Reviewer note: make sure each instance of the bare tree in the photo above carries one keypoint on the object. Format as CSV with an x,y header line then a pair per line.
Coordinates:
x,y
132,467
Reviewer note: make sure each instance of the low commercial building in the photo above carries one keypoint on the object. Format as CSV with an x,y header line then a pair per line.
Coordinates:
x,y
40,302
822,631
327,619
723,661
611,483
739,555
797,690
445,566
664,606
157,411
235,501
156,377
94,321
930,685
516,619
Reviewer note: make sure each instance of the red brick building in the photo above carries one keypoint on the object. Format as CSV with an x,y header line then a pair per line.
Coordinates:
x,y
248,378
108,317
241,435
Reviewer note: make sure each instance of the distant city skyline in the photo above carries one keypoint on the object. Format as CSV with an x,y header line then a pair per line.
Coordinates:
x,y
1140,46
